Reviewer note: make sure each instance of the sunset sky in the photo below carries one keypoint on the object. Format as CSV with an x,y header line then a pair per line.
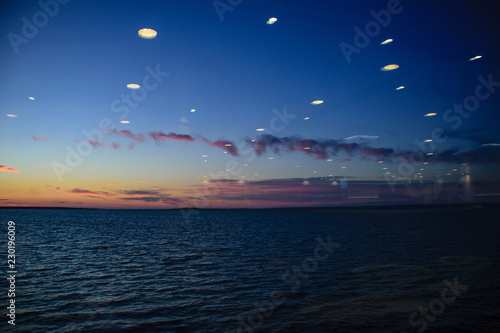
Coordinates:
x,y
224,116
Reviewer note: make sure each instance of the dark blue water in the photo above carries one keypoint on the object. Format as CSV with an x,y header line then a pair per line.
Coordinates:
x,y
255,271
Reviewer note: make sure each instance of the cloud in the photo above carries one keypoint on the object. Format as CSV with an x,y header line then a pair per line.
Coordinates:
x,y
7,169
226,145
132,145
170,200
377,152
96,143
323,149
127,134
91,193
221,181
149,196
139,192
159,136
320,149
8,203
361,137
145,199
40,138
156,136
165,199
318,191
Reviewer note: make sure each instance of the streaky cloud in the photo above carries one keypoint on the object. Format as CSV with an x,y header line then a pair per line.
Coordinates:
x,y
128,134
96,143
145,199
320,149
91,193
377,152
40,138
226,145
159,136
7,169
138,192
362,137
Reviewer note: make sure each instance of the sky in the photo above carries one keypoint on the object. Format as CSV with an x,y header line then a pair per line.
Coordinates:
x,y
235,110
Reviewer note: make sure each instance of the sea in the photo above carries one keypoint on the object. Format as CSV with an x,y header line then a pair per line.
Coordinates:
x,y
378,269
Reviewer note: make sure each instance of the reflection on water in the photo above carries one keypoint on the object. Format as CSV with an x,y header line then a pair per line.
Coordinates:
x,y
377,291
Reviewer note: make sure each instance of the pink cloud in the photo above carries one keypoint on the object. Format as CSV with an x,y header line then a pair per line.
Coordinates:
x,y
96,143
128,134
226,145
40,138
7,169
91,193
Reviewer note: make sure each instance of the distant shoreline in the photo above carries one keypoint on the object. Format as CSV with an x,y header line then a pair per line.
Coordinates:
x,y
380,207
